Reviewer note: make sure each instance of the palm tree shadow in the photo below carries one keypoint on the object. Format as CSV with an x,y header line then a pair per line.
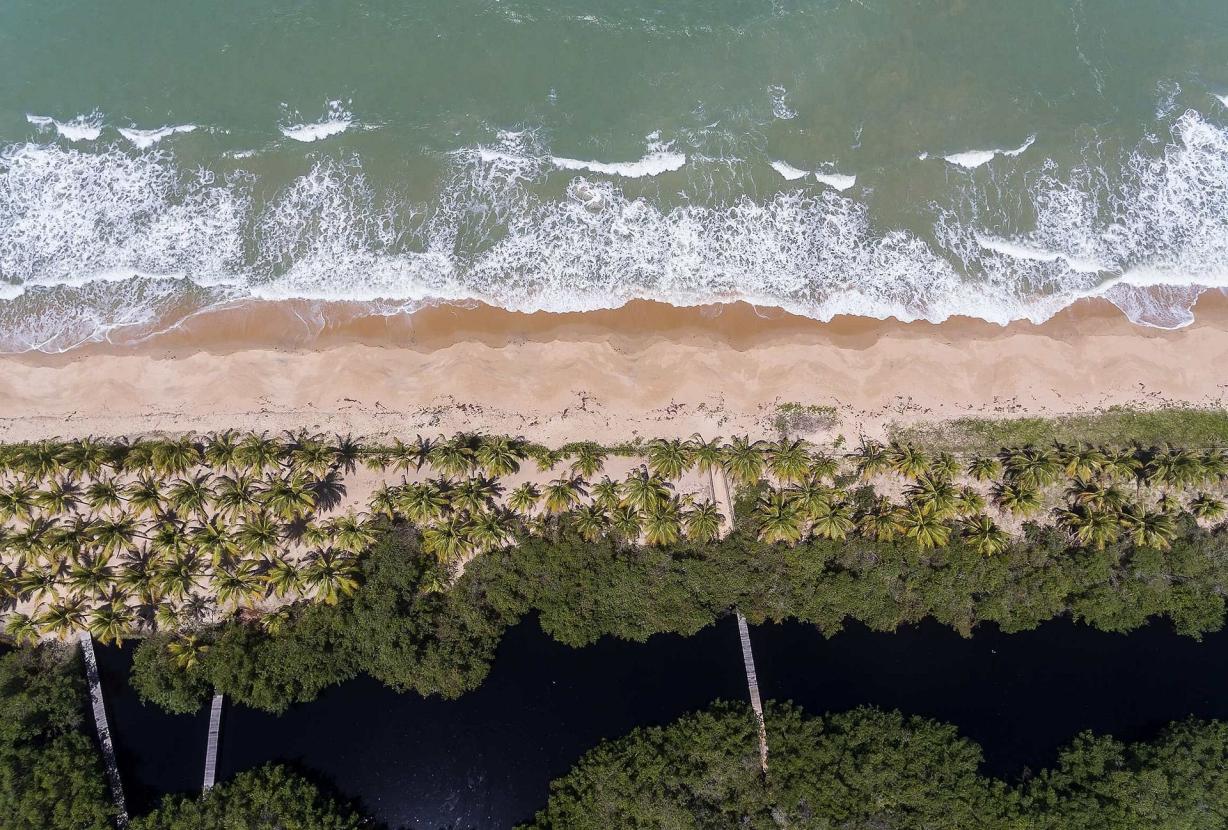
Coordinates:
x,y
328,491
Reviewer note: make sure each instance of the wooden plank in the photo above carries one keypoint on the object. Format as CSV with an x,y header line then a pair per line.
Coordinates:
x,y
215,728
752,682
104,728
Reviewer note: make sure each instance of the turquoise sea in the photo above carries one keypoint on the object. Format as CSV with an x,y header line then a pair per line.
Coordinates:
x,y
992,158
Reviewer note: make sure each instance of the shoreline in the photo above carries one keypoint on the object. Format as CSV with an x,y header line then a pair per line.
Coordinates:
x,y
645,370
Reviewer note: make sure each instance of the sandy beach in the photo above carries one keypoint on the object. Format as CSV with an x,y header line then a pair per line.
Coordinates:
x,y
644,370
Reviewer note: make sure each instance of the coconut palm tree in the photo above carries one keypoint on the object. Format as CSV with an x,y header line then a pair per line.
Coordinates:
x,y
907,460
1122,464
644,490
524,498
669,459
871,458
491,530
662,526
703,522
213,539
103,494
239,584
237,495
625,522
221,451
187,651
384,501
969,502
780,518
40,460
85,457
63,618
1032,467
346,453
1148,528
190,496
823,466
259,534
422,503
606,493
925,526
169,538
36,541
1016,498
562,494
707,455
179,575
500,455
115,533
1096,528
168,616
63,495
984,535
92,575
587,459
332,575
984,468
352,534
288,497
744,461
175,457
944,465
17,501
1169,467
1206,507
22,628
281,576
144,496
1168,503
258,453
448,541
881,521
111,622
475,495
138,574
833,522
1095,495
309,454
788,461
935,492
590,522
1080,461
456,456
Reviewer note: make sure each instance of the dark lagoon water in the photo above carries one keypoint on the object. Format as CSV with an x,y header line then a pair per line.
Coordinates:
x,y
485,761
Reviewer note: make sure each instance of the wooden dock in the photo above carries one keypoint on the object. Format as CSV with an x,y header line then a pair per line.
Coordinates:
x,y
752,681
215,728
104,728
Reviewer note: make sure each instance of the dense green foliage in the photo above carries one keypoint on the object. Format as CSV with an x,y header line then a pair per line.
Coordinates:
x,y
268,798
51,776
1119,425
400,628
869,769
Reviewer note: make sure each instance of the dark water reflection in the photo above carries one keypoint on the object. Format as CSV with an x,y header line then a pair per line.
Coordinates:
x,y
484,761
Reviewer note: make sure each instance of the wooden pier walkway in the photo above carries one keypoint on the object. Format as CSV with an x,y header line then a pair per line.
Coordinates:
x,y
215,727
104,728
752,682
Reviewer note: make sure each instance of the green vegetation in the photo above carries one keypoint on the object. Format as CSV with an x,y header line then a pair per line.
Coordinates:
x,y
1117,425
271,797
871,769
793,418
51,776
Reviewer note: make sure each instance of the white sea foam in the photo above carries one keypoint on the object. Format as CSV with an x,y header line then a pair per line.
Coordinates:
x,y
337,119
789,171
836,180
1223,99
80,128
780,107
1021,251
144,139
971,159
659,158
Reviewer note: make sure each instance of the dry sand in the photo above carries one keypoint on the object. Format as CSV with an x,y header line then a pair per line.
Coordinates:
x,y
642,371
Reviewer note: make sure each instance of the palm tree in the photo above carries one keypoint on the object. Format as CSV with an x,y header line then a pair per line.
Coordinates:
x,y
707,455
214,540
823,466
1148,528
111,623
788,461
669,459
643,490
1032,467
703,522
500,455
1089,527
562,494
85,457
310,454
63,618
17,501
236,496
281,576
984,468
186,651
925,526
1122,464
134,457
257,454
22,628
222,450
62,495
259,534
1095,495
812,496
179,575
190,496
331,575
103,494
590,522
92,575
944,465
175,457
907,460
780,518
1080,461
491,530
969,502
871,458
422,503
833,522
606,492
662,526
448,541
288,497
237,585
881,521
547,459
587,459
1016,498
626,522
984,535
346,453
475,494
1207,507
524,498
457,456
384,501
934,492
351,534
1173,468
40,460
744,461
144,496
169,538
116,533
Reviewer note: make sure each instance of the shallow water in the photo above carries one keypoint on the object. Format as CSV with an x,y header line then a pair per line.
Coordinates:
x,y
994,159
484,761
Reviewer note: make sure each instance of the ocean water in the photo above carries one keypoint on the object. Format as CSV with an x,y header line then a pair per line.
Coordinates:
x,y
915,160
